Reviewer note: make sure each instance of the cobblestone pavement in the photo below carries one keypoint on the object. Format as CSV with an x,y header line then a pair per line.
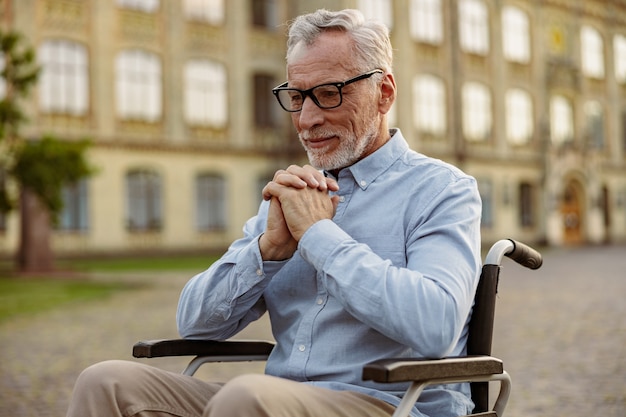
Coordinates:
x,y
561,332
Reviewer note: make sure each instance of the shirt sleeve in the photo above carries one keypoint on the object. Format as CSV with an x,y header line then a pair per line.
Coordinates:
x,y
219,302
425,304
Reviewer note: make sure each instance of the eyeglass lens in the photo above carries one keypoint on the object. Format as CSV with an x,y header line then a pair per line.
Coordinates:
x,y
325,96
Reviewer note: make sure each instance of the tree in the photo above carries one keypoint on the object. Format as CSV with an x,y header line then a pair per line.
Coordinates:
x,y
39,167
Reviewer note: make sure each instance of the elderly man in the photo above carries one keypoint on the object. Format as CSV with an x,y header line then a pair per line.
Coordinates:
x,y
370,252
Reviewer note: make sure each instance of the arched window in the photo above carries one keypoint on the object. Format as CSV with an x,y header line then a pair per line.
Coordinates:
x,y
592,52
561,120
143,199
75,213
145,6
519,116
209,11
474,27
377,9
138,86
211,213
619,55
206,93
64,80
426,22
477,113
515,35
429,98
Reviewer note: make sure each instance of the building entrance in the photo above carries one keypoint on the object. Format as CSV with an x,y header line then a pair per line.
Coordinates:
x,y
572,214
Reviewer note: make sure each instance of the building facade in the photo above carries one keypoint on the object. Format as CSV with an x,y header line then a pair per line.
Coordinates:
x,y
528,96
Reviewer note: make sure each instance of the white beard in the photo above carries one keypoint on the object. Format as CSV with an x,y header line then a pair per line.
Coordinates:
x,y
350,149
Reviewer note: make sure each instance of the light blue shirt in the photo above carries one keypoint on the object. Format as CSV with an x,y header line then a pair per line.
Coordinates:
x,y
393,274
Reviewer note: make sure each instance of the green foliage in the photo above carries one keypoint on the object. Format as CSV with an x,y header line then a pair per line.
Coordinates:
x,y
20,73
42,166
45,166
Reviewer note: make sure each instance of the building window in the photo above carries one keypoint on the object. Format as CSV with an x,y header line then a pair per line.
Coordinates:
x,y
64,79
592,52
265,14
265,108
206,93
473,27
429,101
377,9
210,203
426,21
477,116
485,189
619,55
561,120
75,213
146,6
594,116
515,35
519,116
143,197
526,205
138,85
209,11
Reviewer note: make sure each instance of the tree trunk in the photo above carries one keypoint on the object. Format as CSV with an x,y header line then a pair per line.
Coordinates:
x,y
34,253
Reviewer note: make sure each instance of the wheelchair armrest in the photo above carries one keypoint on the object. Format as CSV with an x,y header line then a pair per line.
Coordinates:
x,y
192,347
453,368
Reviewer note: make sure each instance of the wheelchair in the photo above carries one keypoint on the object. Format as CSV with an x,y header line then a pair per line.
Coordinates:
x,y
478,368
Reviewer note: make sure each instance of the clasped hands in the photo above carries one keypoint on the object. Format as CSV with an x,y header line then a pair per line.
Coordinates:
x,y
299,197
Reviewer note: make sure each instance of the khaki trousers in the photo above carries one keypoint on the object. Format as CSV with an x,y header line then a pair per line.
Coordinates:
x,y
124,389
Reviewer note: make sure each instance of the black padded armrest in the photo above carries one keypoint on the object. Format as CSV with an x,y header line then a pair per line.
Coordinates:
x,y
402,370
190,347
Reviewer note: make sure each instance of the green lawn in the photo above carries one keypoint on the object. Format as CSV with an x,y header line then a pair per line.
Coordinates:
x,y
28,295
138,264
21,296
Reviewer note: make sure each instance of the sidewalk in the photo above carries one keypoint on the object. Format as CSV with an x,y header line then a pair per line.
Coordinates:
x,y
561,332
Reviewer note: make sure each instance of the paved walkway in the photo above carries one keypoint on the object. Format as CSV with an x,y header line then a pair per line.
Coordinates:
x,y
561,332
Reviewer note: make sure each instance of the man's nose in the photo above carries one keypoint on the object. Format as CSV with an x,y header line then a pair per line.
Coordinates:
x,y
310,115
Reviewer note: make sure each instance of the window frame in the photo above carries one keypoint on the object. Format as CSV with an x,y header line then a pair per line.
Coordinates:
x,y
64,80
205,93
210,190
592,52
144,200
429,101
477,111
207,11
138,85
474,27
519,105
515,35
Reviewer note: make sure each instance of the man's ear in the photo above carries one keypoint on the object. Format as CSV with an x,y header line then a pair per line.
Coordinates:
x,y
387,93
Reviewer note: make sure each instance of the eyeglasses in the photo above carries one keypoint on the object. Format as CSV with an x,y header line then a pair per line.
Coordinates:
x,y
325,96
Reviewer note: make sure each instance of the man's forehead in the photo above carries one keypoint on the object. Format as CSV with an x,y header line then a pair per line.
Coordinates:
x,y
329,53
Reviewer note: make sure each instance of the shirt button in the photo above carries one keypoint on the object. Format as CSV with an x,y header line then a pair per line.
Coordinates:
x,y
259,272
342,199
363,183
301,348
320,301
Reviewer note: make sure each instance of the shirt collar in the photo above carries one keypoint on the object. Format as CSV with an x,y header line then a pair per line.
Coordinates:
x,y
369,168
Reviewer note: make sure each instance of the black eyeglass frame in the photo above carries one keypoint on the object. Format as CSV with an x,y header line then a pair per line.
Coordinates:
x,y
309,93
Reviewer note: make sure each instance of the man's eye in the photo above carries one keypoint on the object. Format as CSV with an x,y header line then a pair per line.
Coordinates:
x,y
295,98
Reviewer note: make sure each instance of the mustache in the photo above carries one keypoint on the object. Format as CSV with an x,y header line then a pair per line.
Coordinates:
x,y
318,133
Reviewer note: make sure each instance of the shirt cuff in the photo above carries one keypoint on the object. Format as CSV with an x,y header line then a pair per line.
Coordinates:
x,y
320,241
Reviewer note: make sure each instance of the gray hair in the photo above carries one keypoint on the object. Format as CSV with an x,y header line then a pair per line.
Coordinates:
x,y
372,46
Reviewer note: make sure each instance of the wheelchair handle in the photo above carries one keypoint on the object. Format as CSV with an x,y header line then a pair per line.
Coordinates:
x,y
517,251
